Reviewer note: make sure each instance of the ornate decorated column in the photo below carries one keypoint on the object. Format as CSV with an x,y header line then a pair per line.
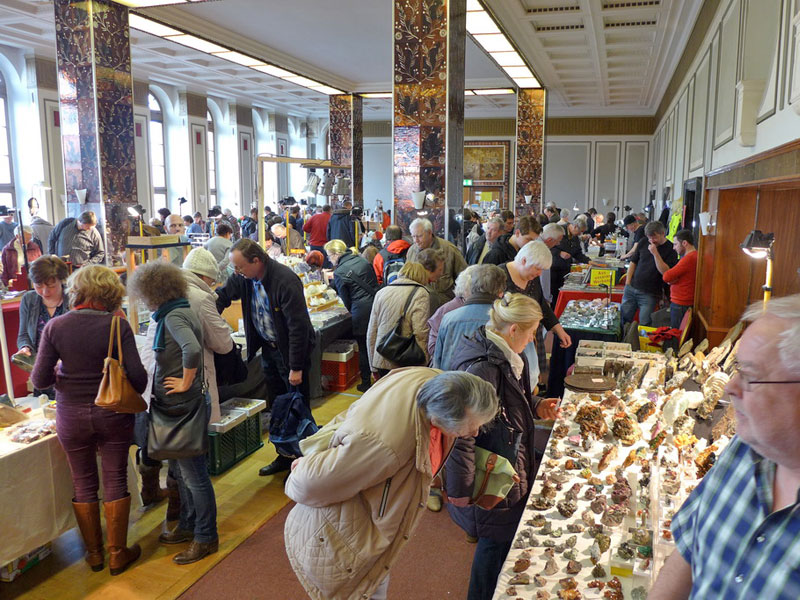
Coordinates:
x,y
95,90
530,151
346,140
428,124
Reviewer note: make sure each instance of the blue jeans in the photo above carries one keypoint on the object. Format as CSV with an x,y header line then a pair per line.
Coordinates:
x,y
676,312
486,567
198,503
633,299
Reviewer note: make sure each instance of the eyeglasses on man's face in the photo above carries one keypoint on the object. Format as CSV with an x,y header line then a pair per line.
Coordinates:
x,y
748,381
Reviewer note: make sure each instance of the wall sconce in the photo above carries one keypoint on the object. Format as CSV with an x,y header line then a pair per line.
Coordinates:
x,y
418,199
706,224
758,245
81,196
528,198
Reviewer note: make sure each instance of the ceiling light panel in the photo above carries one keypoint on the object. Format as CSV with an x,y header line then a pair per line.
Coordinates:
x,y
240,59
376,95
148,3
493,92
303,81
508,59
151,27
528,82
494,42
518,72
197,43
481,23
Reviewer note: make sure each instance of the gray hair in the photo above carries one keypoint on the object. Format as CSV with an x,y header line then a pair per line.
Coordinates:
x,y
565,214
463,286
788,309
488,279
552,231
20,228
497,221
581,224
535,253
420,222
654,228
455,396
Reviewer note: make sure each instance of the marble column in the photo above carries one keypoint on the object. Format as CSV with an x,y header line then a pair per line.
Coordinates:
x,y
346,140
96,110
530,151
428,105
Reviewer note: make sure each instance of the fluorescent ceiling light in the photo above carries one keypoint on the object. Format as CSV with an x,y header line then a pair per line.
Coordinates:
x,y
376,95
473,5
508,59
151,27
493,92
494,42
303,81
518,72
469,93
196,43
527,82
240,59
325,89
146,3
274,71
480,23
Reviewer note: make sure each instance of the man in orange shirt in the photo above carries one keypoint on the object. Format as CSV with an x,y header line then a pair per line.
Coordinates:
x,y
681,277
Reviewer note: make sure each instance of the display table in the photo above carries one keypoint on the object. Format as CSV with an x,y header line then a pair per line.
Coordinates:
x,y
561,359
586,293
11,321
36,494
617,467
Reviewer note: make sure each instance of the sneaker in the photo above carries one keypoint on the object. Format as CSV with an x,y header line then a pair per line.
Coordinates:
x,y
434,501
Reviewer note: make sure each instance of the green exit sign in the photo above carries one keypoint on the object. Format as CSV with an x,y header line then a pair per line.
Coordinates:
x,y
467,182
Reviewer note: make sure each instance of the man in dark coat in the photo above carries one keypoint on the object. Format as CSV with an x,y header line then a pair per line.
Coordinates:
x,y
507,246
342,225
276,321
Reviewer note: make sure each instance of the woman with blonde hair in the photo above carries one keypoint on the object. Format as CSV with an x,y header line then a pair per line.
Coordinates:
x,y
495,354
404,300
79,340
356,284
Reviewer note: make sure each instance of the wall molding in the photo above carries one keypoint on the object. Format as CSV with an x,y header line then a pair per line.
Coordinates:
x,y
776,164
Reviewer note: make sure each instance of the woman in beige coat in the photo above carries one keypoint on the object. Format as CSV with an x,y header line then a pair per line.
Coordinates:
x,y
359,499
388,308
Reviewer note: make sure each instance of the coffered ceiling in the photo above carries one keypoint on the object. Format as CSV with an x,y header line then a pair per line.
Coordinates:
x,y
596,57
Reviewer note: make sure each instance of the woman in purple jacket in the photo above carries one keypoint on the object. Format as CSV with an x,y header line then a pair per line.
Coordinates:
x,y
79,340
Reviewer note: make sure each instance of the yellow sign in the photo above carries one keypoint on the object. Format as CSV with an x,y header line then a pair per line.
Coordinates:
x,y
602,276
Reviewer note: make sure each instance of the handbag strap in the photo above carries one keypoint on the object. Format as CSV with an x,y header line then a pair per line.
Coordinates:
x,y
114,324
408,301
491,461
356,278
119,340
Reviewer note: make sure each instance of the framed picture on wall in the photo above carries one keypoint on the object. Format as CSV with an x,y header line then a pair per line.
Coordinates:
x,y
486,163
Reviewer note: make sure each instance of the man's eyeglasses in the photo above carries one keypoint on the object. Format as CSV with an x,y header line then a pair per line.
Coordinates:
x,y
747,382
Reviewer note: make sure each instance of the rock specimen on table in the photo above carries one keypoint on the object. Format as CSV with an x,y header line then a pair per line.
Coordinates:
x,y
561,431
644,410
705,460
603,542
621,492
573,567
539,581
727,424
683,425
570,554
557,533
568,583
559,476
598,571
610,452
590,493
537,521
591,420
521,565
540,503
587,518
556,453
567,507
547,528
542,595
614,515
575,527
550,567
625,429
572,541
629,459
549,490
511,591
520,579
626,551
599,504
569,595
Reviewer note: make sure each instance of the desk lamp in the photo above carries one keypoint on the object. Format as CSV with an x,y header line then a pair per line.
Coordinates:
x,y
759,245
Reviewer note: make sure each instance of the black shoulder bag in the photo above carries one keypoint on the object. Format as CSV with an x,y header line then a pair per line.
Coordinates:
x,y
400,349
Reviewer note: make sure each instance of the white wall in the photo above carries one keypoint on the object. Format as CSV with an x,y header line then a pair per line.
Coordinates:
x,y
378,172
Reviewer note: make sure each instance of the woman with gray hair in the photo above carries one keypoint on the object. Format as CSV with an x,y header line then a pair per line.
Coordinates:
x,y
14,261
523,278
462,291
361,497
567,252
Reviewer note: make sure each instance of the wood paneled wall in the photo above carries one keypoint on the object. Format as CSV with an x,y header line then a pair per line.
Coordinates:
x,y
728,280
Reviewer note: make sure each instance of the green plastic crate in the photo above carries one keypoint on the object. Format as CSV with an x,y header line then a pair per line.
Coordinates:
x,y
227,449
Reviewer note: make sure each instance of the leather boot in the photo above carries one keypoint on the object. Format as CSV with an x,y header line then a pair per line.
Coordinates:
x,y
152,492
120,556
196,551
88,516
174,495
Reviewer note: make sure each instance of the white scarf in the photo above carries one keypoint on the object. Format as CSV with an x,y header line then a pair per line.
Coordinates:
x,y
514,359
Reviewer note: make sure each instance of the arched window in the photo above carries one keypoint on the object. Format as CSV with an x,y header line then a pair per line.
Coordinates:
x,y
158,156
6,170
212,161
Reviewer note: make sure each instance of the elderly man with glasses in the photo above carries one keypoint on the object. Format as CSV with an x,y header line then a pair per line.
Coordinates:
x,y
738,533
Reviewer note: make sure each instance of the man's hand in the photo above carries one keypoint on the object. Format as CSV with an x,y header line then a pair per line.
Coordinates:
x,y
653,249
24,350
548,409
295,377
565,255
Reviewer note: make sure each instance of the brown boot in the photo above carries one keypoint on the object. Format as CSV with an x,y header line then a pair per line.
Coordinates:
x,y
88,516
119,555
152,492
196,551
174,506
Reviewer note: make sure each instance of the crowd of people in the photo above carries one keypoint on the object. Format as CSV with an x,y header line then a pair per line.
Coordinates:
x,y
450,336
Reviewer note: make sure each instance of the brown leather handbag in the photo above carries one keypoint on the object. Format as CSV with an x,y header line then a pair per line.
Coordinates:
x,y
116,392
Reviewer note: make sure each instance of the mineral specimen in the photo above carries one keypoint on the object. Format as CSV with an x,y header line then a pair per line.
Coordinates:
x,y
590,493
598,571
644,411
540,503
521,565
621,492
520,579
591,420
561,431
625,551
625,429
557,533
570,554
568,583
537,521
609,454
567,508
542,595
550,567
598,505
575,527
569,595
604,542
573,567
614,515
572,541
539,581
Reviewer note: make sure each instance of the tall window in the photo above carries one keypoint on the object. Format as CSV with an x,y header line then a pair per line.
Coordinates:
x,y
6,172
158,157
212,161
